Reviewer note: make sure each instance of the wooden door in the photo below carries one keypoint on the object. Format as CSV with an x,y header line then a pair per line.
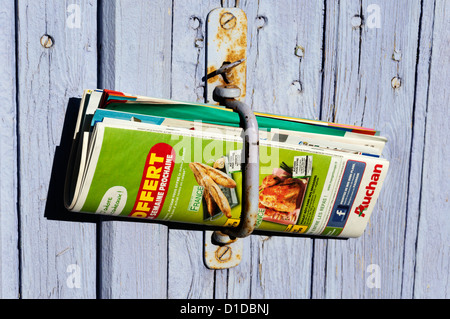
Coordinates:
x,y
372,63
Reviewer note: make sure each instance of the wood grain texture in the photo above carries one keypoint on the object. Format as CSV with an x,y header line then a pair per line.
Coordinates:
x,y
187,275
432,257
417,145
285,57
264,62
9,261
284,77
329,69
363,95
323,59
135,58
51,250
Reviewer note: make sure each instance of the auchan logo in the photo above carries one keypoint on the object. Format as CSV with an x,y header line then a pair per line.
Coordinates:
x,y
370,190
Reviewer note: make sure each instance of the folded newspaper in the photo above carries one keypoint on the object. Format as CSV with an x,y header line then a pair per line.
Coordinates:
x,y
168,160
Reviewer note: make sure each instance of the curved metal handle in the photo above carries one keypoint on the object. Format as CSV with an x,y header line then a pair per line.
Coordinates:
x,y
250,164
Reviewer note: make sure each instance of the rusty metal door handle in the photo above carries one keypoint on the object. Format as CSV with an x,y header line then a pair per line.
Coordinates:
x,y
226,63
223,249
250,162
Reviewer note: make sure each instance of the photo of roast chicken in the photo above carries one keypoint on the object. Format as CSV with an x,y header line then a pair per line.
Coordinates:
x,y
281,196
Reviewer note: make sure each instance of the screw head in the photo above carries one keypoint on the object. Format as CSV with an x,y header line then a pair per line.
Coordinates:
x,y
396,82
223,253
228,20
47,41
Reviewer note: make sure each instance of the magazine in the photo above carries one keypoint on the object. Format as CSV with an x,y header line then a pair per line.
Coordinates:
x,y
130,158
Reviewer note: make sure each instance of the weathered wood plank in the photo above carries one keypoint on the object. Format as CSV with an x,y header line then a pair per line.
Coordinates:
x,y
285,56
284,77
188,277
57,257
329,65
262,63
417,146
406,238
391,110
432,257
9,254
352,266
135,58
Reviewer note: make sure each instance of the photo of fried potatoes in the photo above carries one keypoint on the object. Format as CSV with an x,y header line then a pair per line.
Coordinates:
x,y
210,178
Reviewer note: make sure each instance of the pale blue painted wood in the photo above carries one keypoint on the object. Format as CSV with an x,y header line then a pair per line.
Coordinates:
x,y
187,275
431,278
9,257
136,59
362,94
417,147
58,258
344,74
284,77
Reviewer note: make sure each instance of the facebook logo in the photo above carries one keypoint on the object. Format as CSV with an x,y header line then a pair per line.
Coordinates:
x,y
339,216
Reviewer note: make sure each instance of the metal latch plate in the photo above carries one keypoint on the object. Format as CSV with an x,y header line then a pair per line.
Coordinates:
x,y
226,43
221,256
